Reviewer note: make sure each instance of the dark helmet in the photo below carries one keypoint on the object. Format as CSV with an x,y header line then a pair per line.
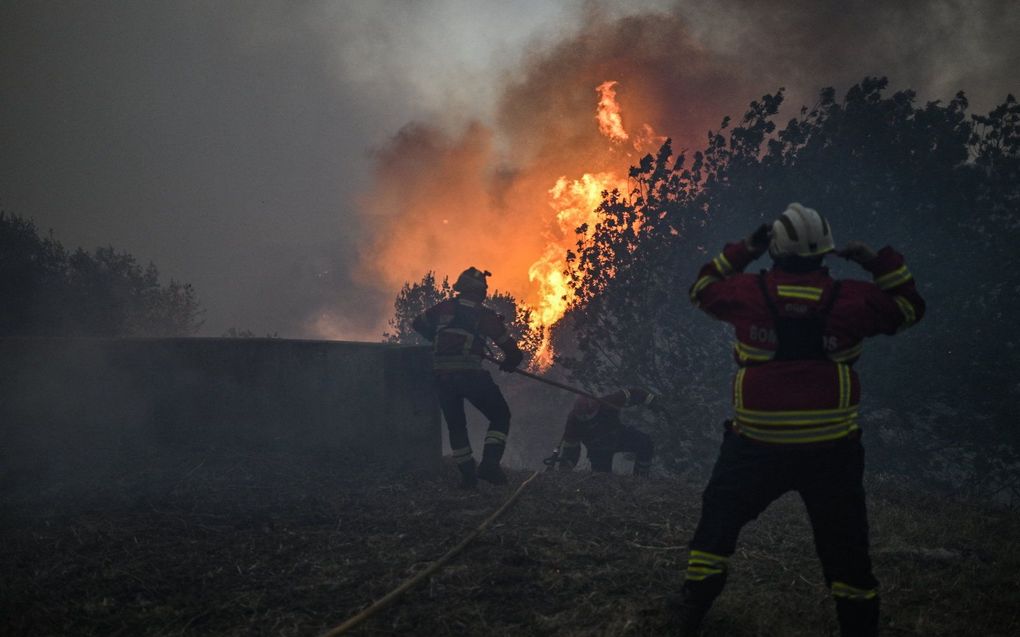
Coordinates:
x,y
472,281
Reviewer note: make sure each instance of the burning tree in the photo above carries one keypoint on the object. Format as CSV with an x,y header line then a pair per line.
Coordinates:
x,y
880,168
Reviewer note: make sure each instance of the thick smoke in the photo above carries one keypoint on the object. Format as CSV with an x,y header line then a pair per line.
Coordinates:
x,y
480,196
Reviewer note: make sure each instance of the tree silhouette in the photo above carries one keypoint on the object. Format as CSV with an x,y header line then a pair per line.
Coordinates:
x,y
941,186
50,292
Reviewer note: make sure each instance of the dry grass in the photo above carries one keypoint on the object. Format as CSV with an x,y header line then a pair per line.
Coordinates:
x,y
271,546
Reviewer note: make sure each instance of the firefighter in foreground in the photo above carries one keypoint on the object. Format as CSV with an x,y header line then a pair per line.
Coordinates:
x,y
796,397
458,328
596,424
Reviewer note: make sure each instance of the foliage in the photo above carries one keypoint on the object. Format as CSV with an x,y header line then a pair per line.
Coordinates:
x,y
942,187
415,298
48,291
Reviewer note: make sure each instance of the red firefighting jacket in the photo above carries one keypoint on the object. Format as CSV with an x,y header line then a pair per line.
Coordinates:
x,y
591,421
458,328
802,401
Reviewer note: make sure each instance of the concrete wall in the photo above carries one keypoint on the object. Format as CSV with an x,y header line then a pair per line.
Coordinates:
x,y
106,404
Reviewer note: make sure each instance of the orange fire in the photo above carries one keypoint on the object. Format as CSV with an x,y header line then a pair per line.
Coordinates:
x,y
608,113
441,202
575,202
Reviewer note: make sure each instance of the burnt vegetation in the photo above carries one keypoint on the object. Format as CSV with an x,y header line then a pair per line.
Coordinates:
x,y
274,545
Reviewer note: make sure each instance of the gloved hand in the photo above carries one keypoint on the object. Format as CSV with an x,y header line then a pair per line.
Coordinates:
x,y
858,252
758,241
511,360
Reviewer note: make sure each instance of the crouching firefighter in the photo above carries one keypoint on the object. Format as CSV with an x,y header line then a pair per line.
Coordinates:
x,y
795,400
596,424
458,328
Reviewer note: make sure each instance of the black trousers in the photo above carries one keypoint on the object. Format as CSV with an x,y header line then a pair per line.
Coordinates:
x,y
478,388
622,440
749,476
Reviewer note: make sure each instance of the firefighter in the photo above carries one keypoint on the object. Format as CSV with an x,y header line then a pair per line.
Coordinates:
x,y
458,328
795,398
596,424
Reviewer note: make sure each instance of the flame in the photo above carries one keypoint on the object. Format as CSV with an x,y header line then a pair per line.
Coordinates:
x,y
576,202
441,202
607,114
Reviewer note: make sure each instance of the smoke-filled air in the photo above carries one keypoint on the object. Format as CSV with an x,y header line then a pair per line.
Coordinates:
x,y
488,318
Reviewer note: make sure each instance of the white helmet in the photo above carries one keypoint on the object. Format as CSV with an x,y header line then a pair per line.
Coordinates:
x,y
801,232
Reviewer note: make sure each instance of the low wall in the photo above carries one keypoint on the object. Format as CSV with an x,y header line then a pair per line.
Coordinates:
x,y
108,406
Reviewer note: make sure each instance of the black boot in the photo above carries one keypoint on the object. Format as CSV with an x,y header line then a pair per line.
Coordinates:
x,y
688,613
858,618
467,474
695,600
489,469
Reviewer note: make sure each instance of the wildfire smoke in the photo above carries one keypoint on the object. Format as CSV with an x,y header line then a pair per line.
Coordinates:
x,y
508,195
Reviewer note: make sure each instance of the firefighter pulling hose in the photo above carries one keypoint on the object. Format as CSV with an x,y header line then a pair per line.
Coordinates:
x,y
458,328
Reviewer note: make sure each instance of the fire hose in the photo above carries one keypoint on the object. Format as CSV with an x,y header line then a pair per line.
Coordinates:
x,y
409,583
553,383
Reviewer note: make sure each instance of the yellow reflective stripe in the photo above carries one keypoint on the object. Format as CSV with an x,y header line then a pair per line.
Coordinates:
x,y
845,385
462,455
746,352
722,264
907,308
800,292
702,564
701,284
796,417
892,279
844,355
845,591
706,557
495,438
738,389
798,436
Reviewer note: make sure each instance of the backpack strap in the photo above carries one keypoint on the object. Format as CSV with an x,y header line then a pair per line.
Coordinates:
x,y
768,297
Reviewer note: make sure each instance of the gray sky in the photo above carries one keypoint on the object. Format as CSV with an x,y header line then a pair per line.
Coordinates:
x,y
234,143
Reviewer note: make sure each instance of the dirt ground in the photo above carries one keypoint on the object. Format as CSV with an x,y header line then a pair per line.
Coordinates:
x,y
261,545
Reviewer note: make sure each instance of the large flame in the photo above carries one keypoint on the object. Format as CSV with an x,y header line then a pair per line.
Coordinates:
x,y
442,203
575,202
